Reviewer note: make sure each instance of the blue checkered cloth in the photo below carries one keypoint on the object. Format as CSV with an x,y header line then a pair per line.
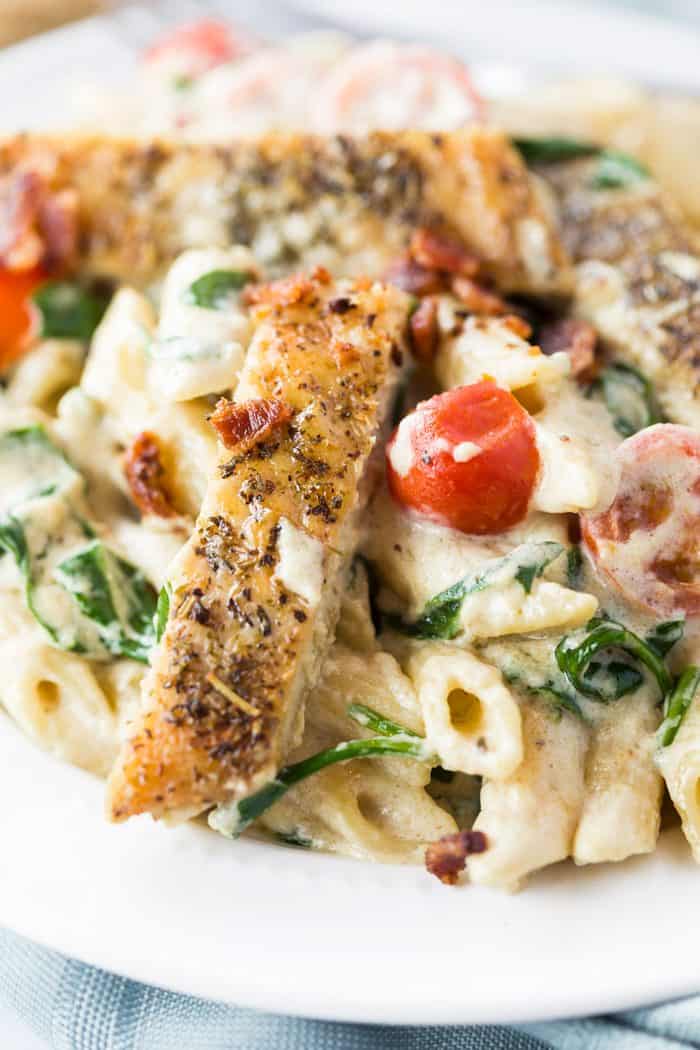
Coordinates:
x,y
72,1006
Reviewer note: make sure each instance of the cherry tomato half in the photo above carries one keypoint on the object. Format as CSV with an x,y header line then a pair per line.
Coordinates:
x,y
467,458
647,543
197,47
18,316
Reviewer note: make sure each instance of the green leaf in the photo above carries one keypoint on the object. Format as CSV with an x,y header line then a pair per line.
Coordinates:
x,y
213,290
115,595
677,705
293,838
370,719
574,567
552,150
603,679
69,311
233,818
162,610
616,171
441,616
551,687
629,398
664,636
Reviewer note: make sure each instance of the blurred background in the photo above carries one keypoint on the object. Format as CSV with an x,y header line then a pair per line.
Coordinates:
x,y
23,18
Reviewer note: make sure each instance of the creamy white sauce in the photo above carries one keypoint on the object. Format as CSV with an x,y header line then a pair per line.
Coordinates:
x,y
465,451
402,454
301,562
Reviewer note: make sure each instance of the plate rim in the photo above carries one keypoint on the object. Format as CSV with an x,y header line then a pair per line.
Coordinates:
x,y
26,903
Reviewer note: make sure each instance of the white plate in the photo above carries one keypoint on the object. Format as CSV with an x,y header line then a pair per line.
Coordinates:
x,y
280,929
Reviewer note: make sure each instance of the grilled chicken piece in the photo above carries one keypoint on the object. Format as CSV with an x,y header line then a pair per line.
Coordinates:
x,y
637,279
348,204
256,590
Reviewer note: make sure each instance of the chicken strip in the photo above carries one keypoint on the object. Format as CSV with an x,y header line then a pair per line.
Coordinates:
x,y
255,593
637,277
348,204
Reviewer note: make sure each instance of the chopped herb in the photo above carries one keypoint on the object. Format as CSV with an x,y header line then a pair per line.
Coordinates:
x,y
617,171
213,290
677,704
555,149
162,610
629,398
610,678
183,82
440,617
69,311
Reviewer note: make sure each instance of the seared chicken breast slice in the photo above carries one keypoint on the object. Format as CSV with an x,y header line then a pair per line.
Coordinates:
x,y
350,204
255,593
637,279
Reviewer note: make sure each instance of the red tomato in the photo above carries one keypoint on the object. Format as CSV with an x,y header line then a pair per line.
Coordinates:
x,y
199,46
387,85
648,541
467,458
18,316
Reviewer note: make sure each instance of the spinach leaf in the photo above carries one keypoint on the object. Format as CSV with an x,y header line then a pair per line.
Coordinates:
x,y
365,716
213,290
232,818
629,398
69,311
574,567
553,688
608,679
677,704
440,617
115,596
293,838
617,171
552,150
664,636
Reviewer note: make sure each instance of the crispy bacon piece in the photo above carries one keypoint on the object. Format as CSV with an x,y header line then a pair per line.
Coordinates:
x,y
145,474
288,291
435,251
518,325
243,425
37,227
425,333
476,298
446,858
575,338
411,277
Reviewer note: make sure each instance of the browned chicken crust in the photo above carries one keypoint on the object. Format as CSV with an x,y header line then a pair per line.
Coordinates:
x,y
637,279
242,647
351,204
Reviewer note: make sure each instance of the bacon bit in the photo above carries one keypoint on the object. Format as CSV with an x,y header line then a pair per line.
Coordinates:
x,y
288,291
234,698
435,251
411,277
241,426
518,325
37,227
424,330
144,472
476,298
575,338
447,857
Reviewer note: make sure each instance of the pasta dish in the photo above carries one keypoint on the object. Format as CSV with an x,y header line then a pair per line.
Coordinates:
x,y
349,476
